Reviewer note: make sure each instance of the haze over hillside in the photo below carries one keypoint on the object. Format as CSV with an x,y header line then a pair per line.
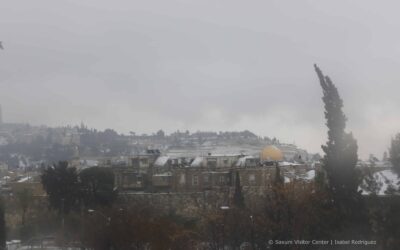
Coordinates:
x,y
46,144
202,65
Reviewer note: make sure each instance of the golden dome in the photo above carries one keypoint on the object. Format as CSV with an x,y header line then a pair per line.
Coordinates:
x,y
271,153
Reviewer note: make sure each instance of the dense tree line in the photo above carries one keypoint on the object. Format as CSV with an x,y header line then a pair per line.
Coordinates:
x,y
69,190
47,148
107,142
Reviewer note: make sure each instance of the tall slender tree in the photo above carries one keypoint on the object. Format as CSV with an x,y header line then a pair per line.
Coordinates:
x,y
62,187
3,232
394,153
238,199
279,180
97,187
24,200
340,157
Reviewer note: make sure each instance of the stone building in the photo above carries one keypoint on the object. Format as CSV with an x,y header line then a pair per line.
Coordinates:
x,y
134,173
155,173
199,179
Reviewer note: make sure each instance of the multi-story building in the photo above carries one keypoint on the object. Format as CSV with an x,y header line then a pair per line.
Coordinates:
x,y
134,172
152,172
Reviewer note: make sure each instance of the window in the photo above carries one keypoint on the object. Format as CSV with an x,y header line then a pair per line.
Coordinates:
x,y
182,179
130,178
195,180
222,179
206,178
135,162
252,179
250,162
212,162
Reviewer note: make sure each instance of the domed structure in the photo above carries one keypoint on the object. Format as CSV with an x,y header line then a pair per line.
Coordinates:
x,y
271,153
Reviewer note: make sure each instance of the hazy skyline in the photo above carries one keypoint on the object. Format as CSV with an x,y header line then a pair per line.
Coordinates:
x,y
203,65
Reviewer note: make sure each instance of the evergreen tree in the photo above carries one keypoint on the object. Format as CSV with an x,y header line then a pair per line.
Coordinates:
x,y
278,180
62,187
24,200
385,156
394,153
340,151
3,232
372,160
320,180
238,199
97,187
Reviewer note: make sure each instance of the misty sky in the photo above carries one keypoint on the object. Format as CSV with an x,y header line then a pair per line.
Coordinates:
x,y
203,65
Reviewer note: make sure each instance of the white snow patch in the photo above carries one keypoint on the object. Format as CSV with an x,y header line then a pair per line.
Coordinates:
x,y
242,160
89,163
310,175
161,161
25,179
286,163
197,161
164,174
385,178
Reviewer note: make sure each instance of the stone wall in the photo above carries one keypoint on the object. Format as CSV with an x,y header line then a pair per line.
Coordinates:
x,y
192,203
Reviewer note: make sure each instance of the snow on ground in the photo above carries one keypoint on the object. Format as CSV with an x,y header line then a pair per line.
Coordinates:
x,y
385,179
310,175
25,179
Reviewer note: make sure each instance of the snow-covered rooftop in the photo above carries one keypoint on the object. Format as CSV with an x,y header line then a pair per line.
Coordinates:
x,y
89,163
197,161
161,161
242,160
291,175
164,174
286,163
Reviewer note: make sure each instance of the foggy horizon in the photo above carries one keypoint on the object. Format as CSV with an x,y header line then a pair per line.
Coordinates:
x,y
226,66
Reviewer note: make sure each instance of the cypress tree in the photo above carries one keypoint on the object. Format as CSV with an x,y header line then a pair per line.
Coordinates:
x,y
279,180
339,162
238,199
3,232
394,153
62,187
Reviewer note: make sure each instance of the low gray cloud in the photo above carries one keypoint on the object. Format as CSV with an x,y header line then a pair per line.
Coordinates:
x,y
202,65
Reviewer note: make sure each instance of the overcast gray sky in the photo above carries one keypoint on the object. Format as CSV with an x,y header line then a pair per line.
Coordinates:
x,y
203,65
